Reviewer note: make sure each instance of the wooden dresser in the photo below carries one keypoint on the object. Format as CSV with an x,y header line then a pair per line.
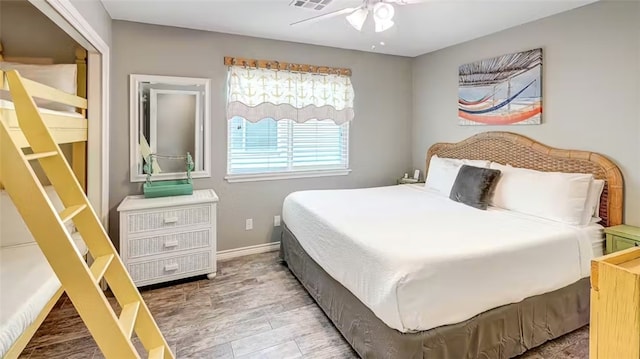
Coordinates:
x,y
168,238
615,306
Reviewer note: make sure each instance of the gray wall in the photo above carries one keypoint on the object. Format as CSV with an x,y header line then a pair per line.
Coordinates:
x,y
591,94
26,32
379,143
96,15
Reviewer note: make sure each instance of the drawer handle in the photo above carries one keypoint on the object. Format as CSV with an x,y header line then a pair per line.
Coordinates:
x,y
168,220
171,267
170,244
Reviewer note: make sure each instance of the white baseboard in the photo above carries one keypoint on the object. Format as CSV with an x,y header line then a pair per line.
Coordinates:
x,y
245,251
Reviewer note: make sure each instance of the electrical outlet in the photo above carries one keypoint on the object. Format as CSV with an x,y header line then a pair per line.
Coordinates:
x,y
248,224
276,221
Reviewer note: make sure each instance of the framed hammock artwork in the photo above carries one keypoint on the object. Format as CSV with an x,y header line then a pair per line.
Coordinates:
x,y
504,90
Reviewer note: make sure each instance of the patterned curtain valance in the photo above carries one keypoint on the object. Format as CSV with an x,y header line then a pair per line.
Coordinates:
x,y
257,93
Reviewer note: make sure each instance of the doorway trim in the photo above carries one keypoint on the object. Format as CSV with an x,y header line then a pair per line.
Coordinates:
x,y
98,70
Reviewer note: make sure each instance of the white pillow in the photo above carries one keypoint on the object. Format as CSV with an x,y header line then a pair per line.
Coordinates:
x,y
556,196
62,76
475,163
441,175
592,205
442,172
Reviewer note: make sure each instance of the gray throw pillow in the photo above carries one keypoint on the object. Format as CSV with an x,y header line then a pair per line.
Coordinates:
x,y
474,185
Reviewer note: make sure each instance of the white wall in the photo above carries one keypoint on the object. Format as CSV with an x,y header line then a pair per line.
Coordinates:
x,y
379,143
591,87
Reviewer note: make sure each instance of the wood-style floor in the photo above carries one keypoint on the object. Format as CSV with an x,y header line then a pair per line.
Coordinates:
x,y
254,308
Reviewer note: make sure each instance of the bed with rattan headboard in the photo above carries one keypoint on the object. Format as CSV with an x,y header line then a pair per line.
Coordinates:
x,y
502,332
520,151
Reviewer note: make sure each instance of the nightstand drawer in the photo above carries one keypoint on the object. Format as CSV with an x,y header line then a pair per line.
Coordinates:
x,y
168,243
621,237
160,270
141,221
619,243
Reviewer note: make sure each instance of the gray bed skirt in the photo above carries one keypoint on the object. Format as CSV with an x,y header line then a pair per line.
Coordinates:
x,y
502,332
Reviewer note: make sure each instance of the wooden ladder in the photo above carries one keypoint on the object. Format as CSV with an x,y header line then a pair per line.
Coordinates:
x,y
111,332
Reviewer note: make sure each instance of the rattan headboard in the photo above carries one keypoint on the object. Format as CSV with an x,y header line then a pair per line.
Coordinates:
x,y
520,151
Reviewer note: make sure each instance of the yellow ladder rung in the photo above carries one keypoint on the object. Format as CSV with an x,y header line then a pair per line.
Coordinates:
x,y
128,317
100,266
35,156
70,212
156,353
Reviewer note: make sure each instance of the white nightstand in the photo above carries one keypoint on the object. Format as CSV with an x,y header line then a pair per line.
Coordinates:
x,y
408,181
168,238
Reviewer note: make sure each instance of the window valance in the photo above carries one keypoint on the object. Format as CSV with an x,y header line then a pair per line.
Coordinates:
x,y
258,93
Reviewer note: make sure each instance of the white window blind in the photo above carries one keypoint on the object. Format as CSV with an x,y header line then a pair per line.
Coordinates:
x,y
285,122
284,146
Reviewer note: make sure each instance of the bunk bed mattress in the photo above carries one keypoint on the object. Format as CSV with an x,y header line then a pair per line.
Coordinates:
x,y
27,284
414,258
6,105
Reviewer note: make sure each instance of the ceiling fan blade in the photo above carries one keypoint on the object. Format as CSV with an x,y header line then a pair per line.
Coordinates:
x,y
326,16
405,2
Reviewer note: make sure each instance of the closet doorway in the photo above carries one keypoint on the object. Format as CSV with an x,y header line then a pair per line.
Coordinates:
x,y
69,19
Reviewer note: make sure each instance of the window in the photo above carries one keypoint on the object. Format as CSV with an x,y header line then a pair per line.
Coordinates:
x,y
283,124
286,146
246,137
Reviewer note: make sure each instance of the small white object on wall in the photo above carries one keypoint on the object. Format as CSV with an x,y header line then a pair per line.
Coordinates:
x,y
416,174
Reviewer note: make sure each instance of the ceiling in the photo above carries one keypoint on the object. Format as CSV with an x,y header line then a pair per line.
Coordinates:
x,y
420,28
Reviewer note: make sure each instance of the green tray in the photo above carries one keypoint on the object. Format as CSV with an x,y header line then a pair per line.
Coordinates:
x,y
167,188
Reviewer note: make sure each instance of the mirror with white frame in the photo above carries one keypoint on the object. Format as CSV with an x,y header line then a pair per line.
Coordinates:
x,y
169,118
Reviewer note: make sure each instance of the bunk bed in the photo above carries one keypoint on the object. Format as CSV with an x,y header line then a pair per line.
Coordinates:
x,y
29,287
67,127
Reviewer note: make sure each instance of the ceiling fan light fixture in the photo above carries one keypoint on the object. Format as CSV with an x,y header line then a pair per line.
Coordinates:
x,y
383,11
357,18
383,25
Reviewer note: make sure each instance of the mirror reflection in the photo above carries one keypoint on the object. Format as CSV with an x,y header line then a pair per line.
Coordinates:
x,y
171,120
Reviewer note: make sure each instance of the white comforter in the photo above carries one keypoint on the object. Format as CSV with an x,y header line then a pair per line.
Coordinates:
x,y
419,260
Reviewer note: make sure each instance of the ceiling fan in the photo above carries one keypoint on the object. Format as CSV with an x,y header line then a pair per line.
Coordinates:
x,y
382,12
